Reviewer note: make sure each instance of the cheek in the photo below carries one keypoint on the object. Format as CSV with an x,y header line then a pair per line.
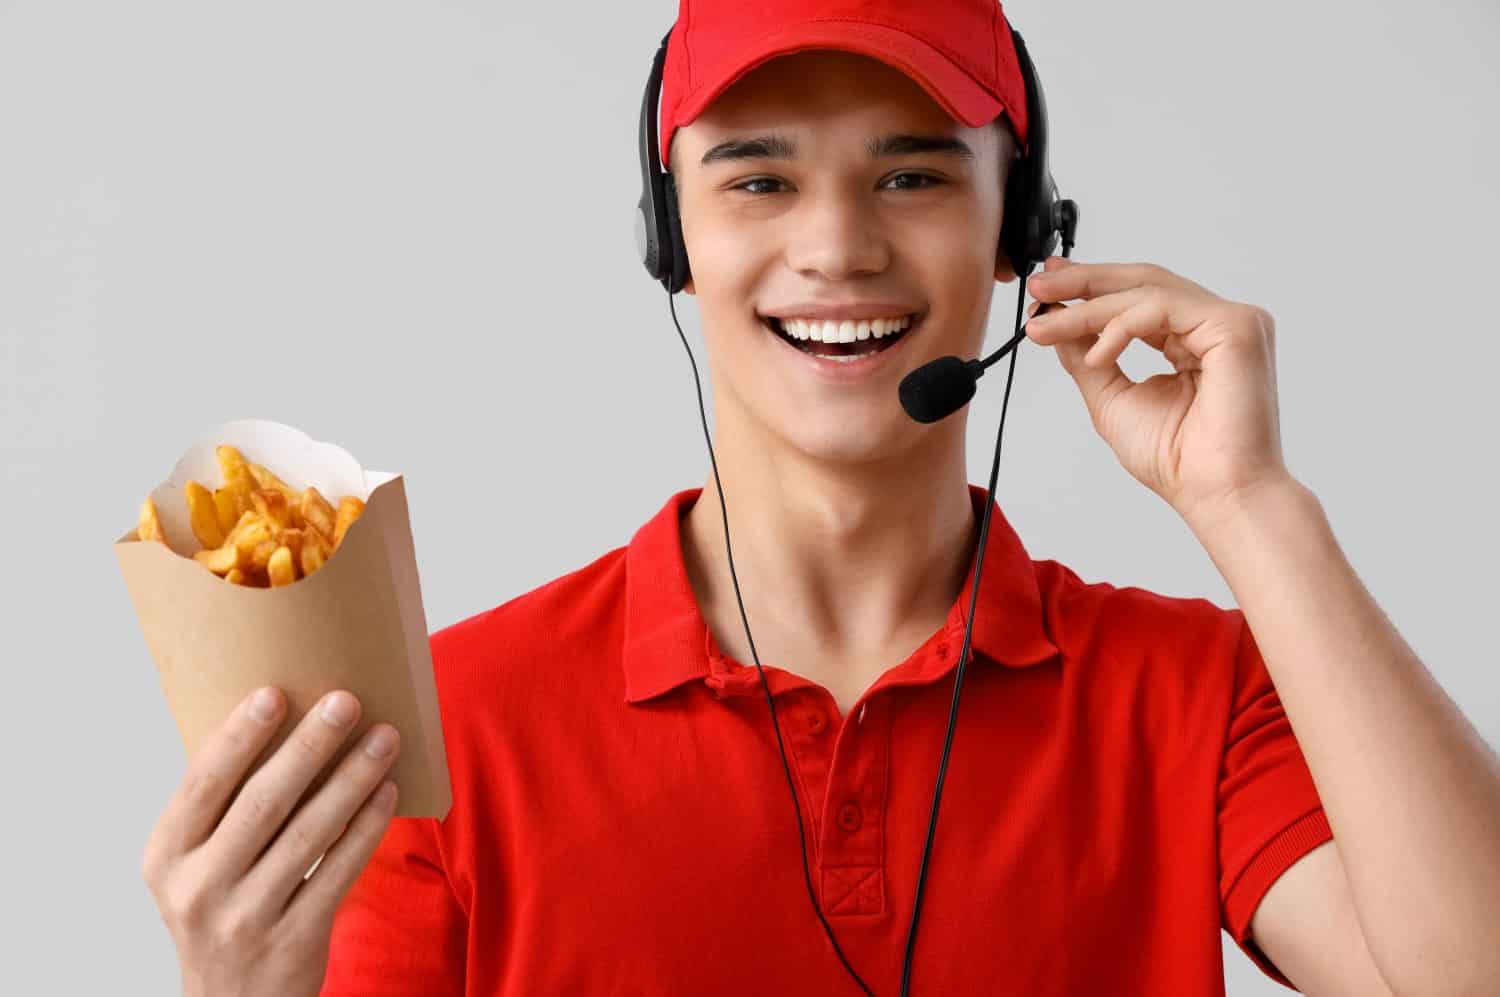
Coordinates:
x,y
726,266
956,271
961,240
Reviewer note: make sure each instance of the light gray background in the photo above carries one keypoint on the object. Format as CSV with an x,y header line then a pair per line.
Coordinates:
x,y
404,226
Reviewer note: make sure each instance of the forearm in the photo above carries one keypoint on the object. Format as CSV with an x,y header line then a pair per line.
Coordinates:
x,y
1411,790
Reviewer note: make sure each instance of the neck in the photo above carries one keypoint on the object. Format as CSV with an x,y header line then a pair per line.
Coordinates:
x,y
844,568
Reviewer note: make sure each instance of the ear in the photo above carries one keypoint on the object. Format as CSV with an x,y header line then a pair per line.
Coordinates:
x,y
1004,272
687,285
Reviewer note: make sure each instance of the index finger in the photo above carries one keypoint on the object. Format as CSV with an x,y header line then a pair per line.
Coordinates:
x,y
212,777
1093,280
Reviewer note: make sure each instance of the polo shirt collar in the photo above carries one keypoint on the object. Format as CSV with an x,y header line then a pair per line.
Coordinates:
x,y
666,638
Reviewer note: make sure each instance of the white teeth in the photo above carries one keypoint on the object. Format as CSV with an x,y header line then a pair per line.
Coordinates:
x,y
843,331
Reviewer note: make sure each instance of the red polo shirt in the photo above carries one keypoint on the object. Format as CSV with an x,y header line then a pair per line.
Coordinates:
x,y
1123,784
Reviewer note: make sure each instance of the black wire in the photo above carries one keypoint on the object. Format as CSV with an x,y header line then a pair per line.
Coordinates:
x,y
786,767
963,658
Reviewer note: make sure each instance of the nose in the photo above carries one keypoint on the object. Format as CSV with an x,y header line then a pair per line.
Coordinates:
x,y
837,238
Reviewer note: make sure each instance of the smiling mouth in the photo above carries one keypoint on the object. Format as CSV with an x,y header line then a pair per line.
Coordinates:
x,y
859,347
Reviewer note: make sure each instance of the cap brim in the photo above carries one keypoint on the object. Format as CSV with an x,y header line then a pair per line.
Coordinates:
x,y
957,92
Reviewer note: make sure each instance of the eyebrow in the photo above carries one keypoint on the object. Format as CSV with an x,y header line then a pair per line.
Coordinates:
x,y
776,147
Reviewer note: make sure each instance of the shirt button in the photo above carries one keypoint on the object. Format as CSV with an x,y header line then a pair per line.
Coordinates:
x,y
849,817
816,722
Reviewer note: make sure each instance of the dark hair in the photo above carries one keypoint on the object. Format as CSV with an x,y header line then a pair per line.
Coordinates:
x,y
1010,149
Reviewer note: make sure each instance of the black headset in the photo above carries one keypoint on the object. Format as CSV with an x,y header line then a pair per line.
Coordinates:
x,y
1034,215
1034,219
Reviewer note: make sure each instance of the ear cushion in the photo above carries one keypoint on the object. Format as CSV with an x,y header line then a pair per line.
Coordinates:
x,y
1019,221
678,257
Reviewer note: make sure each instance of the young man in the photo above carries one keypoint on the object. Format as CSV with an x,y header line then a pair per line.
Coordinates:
x,y
1124,780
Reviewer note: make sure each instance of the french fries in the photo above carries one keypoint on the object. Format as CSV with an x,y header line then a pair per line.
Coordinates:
x,y
265,479
280,568
255,529
312,557
220,560
237,477
203,514
150,524
349,510
224,505
272,507
316,512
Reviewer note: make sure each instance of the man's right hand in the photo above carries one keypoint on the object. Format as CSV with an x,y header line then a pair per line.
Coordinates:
x,y
227,869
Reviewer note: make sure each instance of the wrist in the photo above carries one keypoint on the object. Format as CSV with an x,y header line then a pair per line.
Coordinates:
x,y
1264,502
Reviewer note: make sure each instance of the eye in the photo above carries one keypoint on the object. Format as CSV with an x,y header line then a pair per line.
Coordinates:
x,y
745,186
932,180
923,182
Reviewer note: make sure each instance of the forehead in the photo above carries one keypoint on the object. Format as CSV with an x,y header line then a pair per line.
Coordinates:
x,y
818,88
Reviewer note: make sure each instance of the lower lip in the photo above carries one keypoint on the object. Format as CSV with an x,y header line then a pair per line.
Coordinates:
x,y
845,371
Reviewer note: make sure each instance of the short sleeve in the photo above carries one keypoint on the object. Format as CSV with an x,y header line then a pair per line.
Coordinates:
x,y
400,929
1269,811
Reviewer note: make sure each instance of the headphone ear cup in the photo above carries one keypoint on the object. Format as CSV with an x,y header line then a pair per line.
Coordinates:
x,y
1017,223
677,261
645,239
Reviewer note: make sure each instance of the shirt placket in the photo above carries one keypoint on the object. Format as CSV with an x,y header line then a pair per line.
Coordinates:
x,y
810,728
842,774
852,834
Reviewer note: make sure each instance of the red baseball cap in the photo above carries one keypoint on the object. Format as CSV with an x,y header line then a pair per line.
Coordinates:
x,y
960,51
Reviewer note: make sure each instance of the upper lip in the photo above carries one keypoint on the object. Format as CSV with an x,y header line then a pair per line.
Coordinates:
x,y
853,311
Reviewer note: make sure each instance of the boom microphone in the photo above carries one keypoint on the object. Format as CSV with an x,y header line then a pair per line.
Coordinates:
x,y
937,389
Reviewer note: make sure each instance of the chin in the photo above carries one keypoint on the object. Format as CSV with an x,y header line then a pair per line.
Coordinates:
x,y
852,441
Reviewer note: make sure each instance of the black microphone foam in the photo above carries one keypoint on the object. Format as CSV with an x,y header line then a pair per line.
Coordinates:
x,y
937,389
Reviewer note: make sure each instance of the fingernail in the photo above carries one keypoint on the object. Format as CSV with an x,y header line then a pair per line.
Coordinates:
x,y
263,706
380,743
338,709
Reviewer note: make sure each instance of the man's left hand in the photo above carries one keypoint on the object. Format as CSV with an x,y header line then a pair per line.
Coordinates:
x,y
1201,436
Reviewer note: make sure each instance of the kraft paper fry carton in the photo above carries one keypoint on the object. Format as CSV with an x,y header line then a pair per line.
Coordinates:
x,y
356,623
